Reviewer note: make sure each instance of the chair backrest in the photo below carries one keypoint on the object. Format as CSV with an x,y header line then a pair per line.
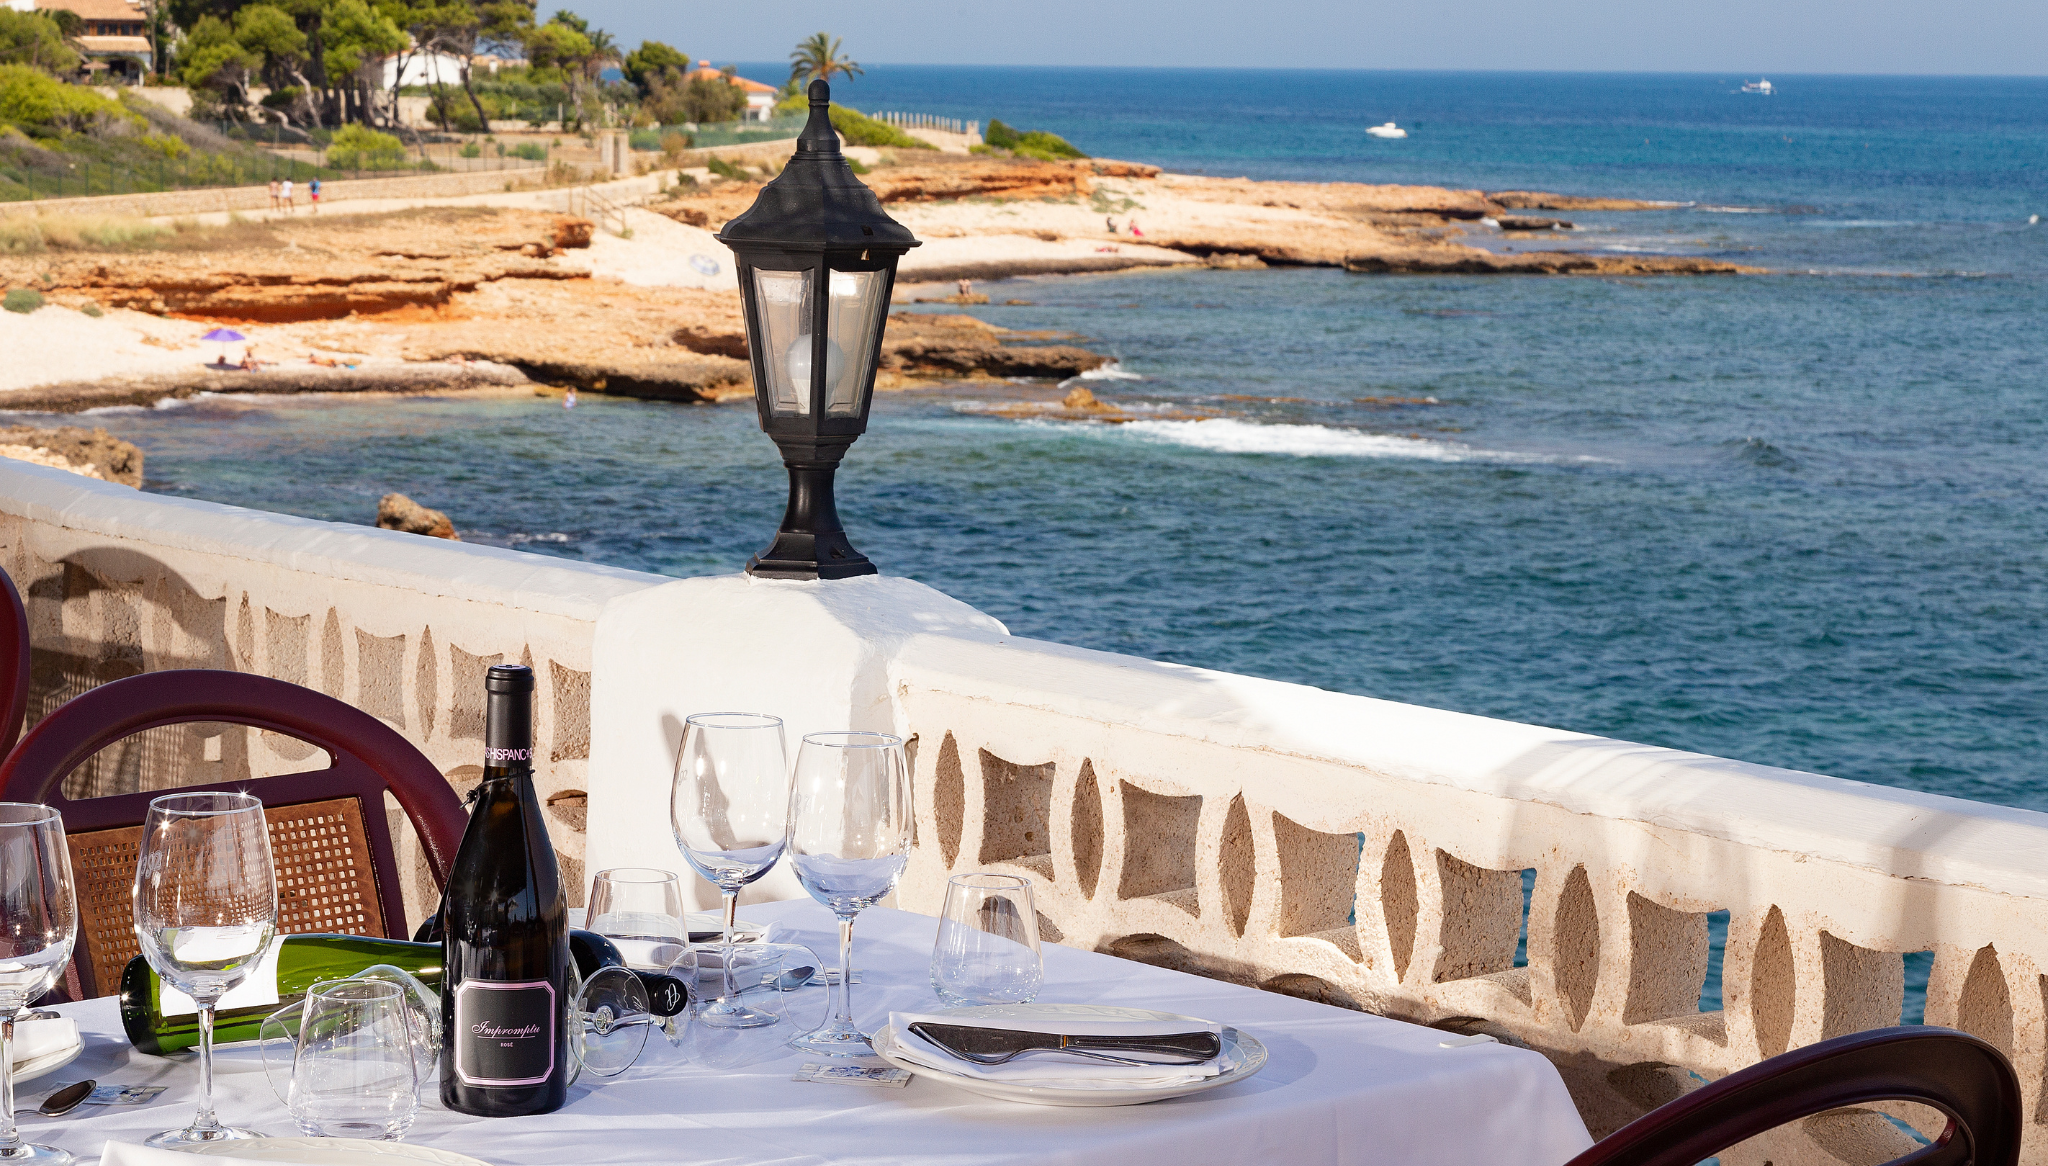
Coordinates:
x,y
1965,1078
337,869
14,644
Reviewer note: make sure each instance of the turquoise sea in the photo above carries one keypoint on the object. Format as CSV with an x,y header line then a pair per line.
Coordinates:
x,y
1799,519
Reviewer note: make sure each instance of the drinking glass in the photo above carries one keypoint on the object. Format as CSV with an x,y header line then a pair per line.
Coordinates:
x,y
640,909
205,913
38,925
730,809
849,837
774,978
987,950
355,1073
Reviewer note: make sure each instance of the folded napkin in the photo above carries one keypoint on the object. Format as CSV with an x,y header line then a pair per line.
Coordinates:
x,y
40,1038
1052,1067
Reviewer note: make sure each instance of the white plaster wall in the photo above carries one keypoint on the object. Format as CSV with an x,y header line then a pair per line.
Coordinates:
x,y
815,654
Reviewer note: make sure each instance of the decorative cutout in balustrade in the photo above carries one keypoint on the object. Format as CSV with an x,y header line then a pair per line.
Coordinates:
x,y
1337,884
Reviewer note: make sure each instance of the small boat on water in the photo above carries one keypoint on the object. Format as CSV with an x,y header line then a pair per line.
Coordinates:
x,y
1761,85
1389,130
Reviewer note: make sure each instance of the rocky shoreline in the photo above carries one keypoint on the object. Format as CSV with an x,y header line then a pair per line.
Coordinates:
x,y
461,298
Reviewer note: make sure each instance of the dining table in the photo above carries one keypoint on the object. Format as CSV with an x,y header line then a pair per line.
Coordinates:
x,y
1339,1086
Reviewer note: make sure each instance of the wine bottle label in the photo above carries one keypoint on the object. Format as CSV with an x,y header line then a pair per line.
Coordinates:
x,y
256,990
505,1032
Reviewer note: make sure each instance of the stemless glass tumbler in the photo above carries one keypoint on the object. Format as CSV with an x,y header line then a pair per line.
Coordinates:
x,y
849,837
38,925
730,810
205,913
640,909
987,950
355,1072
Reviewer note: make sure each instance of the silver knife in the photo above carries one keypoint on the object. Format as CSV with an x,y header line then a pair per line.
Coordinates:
x,y
991,1046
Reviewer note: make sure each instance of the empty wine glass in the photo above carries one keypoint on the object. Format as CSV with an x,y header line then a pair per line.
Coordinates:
x,y
849,837
640,909
38,925
730,810
205,913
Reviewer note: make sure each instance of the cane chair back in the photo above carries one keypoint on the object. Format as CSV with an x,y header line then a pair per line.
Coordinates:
x,y
336,862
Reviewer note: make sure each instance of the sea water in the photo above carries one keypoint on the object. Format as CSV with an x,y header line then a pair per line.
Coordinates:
x,y
1796,519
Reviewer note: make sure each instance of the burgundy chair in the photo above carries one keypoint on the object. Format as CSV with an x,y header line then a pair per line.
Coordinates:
x,y
336,865
13,663
1965,1078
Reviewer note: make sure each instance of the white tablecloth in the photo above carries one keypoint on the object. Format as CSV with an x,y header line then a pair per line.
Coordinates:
x,y
1342,1087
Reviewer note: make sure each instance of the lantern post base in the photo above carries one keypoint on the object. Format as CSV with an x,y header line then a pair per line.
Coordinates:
x,y
811,544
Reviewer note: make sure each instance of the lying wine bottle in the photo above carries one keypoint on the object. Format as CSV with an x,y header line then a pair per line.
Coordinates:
x,y
505,931
302,961
305,960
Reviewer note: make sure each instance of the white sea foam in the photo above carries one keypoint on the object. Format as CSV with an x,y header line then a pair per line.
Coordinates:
x,y
1733,210
1113,371
1224,435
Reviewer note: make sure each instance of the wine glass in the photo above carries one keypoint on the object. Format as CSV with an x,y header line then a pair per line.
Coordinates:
x,y
730,809
38,925
205,913
849,837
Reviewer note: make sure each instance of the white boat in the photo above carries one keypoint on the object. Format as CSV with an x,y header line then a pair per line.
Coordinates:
x,y
1389,130
1760,85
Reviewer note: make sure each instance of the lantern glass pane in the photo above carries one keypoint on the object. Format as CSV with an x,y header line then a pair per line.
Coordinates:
x,y
854,328
783,301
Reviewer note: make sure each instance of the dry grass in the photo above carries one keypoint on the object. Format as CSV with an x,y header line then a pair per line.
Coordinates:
x,y
37,234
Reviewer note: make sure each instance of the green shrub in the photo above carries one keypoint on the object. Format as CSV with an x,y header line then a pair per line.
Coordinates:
x,y
23,300
725,169
92,309
45,107
531,151
357,147
472,150
861,130
168,145
1046,147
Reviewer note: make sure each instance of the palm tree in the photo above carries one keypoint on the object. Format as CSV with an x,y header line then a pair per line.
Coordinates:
x,y
818,57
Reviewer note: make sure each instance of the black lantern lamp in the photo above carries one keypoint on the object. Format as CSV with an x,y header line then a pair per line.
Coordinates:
x,y
817,261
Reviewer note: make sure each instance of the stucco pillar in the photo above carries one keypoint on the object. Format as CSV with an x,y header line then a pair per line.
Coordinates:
x,y
815,654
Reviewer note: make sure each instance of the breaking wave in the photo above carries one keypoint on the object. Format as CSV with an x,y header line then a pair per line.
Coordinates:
x,y
1223,435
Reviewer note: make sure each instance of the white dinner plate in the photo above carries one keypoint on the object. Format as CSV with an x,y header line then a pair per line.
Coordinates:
x,y
48,1063
1245,1049
333,1152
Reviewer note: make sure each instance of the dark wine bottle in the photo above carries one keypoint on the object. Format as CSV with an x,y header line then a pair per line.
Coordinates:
x,y
302,961
505,932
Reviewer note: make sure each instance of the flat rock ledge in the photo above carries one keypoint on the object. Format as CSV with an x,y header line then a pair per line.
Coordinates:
x,y
78,396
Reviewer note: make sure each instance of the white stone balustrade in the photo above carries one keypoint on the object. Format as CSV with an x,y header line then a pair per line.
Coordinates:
x,y
1367,853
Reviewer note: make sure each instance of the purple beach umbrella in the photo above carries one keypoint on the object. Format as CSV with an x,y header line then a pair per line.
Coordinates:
x,y
225,336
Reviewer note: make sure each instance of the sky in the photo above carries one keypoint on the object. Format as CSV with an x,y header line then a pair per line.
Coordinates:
x,y
1724,36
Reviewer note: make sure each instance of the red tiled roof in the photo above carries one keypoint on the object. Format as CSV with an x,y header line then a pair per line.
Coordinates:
x,y
705,71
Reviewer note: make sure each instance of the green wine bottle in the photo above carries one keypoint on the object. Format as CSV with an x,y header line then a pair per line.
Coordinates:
x,y
302,961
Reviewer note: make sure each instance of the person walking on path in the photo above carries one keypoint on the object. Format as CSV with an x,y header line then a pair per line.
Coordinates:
x,y
1110,222
273,194
313,189
284,194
